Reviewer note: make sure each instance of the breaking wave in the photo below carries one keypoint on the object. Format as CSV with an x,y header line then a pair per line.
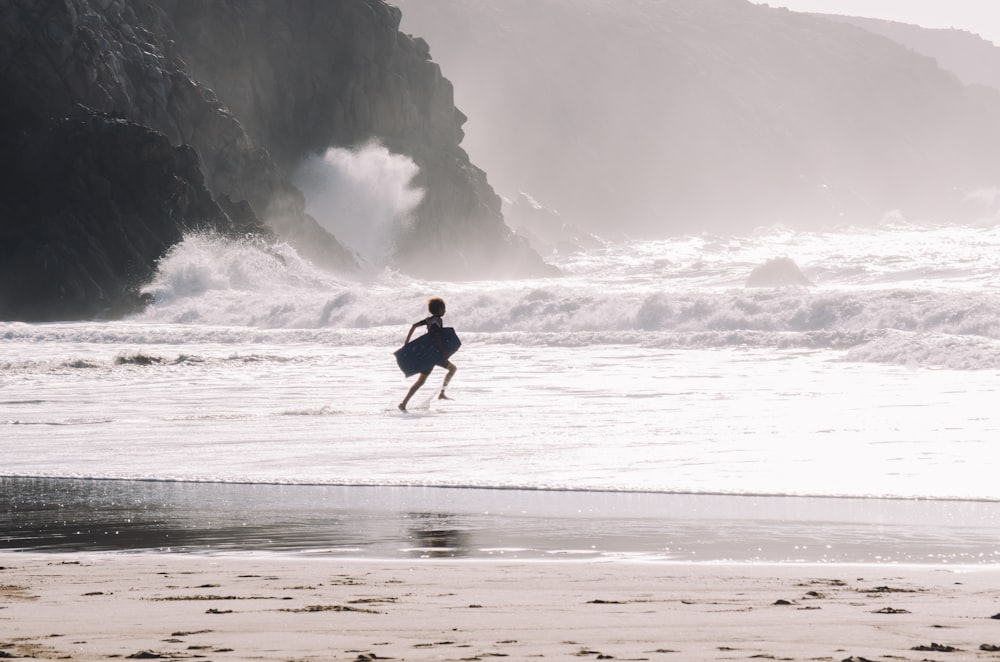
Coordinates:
x,y
904,297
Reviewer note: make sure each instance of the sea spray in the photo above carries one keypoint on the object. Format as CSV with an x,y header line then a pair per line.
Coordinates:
x,y
364,196
207,279
912,299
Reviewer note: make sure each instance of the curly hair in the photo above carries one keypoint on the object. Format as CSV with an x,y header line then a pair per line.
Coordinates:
x,y
435,304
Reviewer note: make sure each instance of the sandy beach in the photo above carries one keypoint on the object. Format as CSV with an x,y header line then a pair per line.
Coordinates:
x,y
257,607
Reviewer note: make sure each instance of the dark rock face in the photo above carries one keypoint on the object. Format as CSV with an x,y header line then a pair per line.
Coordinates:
x,y
302,76
56,55
293,78
87,206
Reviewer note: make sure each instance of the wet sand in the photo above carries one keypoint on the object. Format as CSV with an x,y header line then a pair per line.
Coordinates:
x,y
98,570
49,514
175,606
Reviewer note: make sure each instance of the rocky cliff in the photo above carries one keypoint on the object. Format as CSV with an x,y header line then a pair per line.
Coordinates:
x,y
656,118
88,204
976,61
302,76
293,76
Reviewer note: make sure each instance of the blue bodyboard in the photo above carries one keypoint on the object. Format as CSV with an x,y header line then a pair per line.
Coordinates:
x,y
422,354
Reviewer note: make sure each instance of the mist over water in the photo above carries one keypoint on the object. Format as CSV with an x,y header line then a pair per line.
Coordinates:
x,y
362,195
758,115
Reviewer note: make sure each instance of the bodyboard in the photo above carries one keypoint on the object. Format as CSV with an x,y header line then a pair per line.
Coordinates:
x,y
422,354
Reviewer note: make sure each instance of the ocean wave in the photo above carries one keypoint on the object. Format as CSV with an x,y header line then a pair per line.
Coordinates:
x,y
928,351
138,358
899,295
934,280
556,309
560,308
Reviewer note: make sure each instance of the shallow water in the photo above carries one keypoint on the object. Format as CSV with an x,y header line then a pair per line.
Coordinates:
x,y
735,421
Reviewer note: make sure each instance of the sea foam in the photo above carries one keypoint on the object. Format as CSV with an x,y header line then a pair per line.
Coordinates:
x,y
916,300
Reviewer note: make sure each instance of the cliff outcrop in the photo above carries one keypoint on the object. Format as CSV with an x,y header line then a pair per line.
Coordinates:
x,y
293,78
88,204
303,76
975,60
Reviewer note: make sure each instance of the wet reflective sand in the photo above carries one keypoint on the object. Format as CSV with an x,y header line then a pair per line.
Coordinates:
x,y
61,515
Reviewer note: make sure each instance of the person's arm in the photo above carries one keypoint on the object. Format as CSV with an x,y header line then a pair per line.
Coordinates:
x,y
412,329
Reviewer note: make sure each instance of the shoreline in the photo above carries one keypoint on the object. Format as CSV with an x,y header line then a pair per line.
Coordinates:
x,y
506,488
113,606
70,515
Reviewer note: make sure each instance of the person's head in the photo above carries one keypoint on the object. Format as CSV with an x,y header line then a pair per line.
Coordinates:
x,y
436,306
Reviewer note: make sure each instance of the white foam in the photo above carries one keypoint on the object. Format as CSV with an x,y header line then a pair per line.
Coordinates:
x,y
929,350
933,288
364,196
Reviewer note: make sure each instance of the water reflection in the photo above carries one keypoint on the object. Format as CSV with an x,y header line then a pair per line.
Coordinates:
x,y
60,515
435,536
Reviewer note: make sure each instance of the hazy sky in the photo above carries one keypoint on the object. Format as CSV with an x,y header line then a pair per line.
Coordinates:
x,y
979,16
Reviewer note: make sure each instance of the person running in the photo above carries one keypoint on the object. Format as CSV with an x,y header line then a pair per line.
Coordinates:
x,y
434,324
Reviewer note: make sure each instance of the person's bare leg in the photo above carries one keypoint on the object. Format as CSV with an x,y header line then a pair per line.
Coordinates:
x,y
413,389
447,379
